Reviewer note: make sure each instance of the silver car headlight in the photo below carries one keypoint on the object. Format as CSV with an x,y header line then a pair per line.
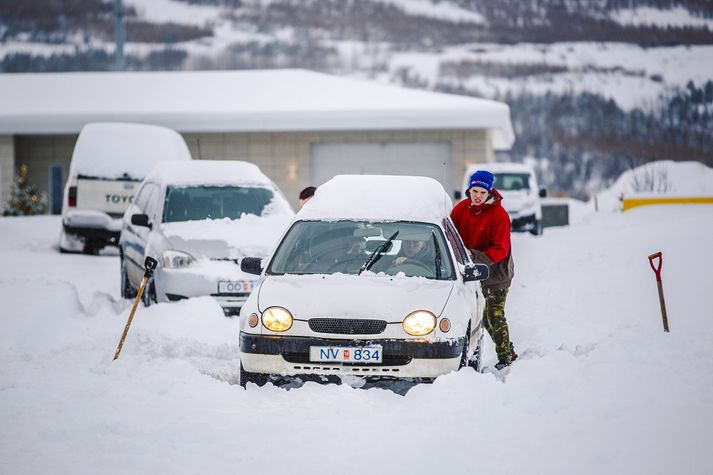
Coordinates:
x,y
419,323
173,259
277,319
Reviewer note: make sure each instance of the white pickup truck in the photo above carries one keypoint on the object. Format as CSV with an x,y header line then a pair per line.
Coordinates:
x,y
108,163
521,194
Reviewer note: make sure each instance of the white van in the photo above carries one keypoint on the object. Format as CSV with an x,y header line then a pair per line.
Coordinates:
x,y
521,194
108,164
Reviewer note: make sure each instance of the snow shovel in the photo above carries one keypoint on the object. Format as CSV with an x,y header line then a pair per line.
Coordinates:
x,y
657,270
149,265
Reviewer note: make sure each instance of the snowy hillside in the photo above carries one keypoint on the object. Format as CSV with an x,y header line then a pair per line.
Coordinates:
x,y
599,387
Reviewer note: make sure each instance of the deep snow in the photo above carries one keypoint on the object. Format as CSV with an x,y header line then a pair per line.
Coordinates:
x,y
599,387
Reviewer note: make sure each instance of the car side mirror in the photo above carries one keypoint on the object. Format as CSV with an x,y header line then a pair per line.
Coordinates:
x,y
475,272
543,192
140,220
251,265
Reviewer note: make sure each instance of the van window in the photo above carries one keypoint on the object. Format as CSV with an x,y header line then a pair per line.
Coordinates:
x,y
512,181
189,203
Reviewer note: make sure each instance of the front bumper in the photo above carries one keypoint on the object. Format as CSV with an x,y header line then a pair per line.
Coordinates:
x,y
524,223
99,236
179,284
289,355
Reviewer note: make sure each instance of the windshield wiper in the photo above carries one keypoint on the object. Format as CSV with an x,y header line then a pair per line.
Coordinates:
x,y
438,255
378,252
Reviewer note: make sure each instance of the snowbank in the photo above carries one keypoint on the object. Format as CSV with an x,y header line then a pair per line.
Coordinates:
x,y
661,178
599,388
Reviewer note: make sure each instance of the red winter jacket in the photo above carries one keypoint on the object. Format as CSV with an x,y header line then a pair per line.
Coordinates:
x,y
486,229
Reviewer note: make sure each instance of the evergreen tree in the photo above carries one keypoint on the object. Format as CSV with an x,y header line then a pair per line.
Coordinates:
x,y
25,199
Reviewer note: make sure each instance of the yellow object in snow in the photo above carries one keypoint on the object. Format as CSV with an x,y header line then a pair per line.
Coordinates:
x,y
629,203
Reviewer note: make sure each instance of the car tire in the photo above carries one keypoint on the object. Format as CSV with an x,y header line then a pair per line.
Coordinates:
x,y
537,229
248,377
149,295
475,360
127,291
464,355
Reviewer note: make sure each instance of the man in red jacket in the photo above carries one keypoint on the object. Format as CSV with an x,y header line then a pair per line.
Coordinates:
x,y
484,226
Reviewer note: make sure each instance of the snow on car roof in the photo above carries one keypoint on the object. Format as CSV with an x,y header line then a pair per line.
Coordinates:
x,y
209,172
379,198
111,150
217,173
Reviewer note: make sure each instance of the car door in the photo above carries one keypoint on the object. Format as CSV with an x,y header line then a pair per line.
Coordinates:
x,y
471,289
137,236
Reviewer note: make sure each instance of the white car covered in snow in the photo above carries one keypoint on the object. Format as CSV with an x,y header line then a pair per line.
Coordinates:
x,y
108,163
370,279
521,194
198,219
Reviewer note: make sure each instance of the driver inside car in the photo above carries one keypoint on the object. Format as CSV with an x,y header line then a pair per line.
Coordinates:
x,y
414,250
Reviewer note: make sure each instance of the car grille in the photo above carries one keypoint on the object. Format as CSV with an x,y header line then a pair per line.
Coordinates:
x,y
347,326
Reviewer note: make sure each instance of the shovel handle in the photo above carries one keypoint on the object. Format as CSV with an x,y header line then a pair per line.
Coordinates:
x,y
657,267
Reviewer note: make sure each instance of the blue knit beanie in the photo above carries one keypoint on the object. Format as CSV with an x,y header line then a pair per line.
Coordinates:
x,y
481,179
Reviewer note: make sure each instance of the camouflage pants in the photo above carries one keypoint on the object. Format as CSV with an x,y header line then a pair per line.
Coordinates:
x,y
496,324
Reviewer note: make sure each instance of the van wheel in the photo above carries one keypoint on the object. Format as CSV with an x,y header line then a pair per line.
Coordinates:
x,y
537,229
127,291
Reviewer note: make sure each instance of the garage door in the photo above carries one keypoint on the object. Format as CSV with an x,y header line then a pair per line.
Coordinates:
x,y
432,159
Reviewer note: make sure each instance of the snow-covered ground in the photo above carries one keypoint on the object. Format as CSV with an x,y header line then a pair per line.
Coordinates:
x,y
599,387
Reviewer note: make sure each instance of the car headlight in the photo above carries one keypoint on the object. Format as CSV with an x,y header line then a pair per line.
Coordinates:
x,y
277,319
419,323
176,259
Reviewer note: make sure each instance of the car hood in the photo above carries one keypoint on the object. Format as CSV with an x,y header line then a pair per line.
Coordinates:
x,y
351,296
226,238
516,200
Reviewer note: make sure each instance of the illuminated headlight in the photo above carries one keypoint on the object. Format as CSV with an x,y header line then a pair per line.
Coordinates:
x,y
277,319
176,259
419,323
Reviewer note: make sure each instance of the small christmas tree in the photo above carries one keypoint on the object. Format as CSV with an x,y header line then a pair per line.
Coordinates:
x,y
25,199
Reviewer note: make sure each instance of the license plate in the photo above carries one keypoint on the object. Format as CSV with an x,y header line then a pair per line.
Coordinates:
x,y
345,354
234,286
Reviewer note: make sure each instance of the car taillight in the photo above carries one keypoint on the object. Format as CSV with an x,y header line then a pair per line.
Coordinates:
x,y
72,196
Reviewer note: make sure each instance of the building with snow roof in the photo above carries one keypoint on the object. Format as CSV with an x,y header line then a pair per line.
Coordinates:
x,y
300,127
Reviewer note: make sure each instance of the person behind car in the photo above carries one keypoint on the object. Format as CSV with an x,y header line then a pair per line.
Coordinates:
x,y
484,226
306,194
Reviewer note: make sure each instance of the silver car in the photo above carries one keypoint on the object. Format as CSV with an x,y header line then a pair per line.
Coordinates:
x,y
198,219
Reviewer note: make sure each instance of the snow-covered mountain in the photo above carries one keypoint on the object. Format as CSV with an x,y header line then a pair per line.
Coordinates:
x,y
596,86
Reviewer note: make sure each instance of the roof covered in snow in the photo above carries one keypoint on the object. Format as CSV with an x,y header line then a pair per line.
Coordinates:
x,y
209,172
112,150
379,198
237,101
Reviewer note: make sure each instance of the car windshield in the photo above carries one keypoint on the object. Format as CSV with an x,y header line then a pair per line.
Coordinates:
x,y
189,203
512,181
355,247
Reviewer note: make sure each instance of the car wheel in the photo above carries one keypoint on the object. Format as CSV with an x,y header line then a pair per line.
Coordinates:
x,y
475,360
248,377
149,295
537,229
127,291
464,355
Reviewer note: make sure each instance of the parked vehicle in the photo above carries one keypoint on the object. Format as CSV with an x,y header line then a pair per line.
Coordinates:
x,y
199,218
108,163
370,279
521,194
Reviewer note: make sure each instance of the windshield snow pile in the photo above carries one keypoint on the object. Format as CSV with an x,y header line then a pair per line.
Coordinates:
x,y
379,198
115,150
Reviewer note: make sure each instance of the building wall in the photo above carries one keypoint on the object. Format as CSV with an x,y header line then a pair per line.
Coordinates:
x,y
285,157
7,167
